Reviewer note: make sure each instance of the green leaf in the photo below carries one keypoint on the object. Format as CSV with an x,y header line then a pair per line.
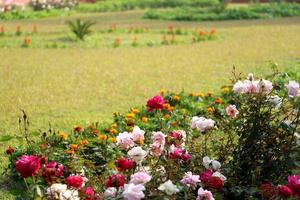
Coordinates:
x,y
5,138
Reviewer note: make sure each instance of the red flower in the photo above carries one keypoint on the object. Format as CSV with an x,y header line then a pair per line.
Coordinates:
x,y
294,184
284,191
125,164
89,193
52,170
268,191
115,180
215,183
176,138
28,165
75,181
155,103
10,150
205,176
186,157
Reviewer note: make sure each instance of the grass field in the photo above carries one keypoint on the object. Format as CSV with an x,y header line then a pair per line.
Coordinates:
x,y
75,85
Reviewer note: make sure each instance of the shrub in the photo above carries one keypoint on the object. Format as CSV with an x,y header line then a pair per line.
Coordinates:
x,y
80,28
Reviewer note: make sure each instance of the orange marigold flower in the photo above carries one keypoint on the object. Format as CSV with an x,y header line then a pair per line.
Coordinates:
x,y
192,94
174,124
210,109
26,41
166,105
170,108
218,100
71,152
78,128
130,115
43,146
144,119
135,111
74,147
113,131
83,142
95,131
209,94
130,129
102,137
63,135
113,139
176,98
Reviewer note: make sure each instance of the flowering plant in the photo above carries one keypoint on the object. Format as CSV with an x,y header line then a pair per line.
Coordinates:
x,y
184,146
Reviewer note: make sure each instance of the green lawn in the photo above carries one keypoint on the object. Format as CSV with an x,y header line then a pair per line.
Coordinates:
x,y
68,86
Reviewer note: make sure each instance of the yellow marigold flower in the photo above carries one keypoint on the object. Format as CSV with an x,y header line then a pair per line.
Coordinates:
x,y
209,94
167,116
139,142
115,114
102,137
74,147
201,94
130,129
170,108
174,124
130,115
111,164
114,125
162,92
210,109
225,89
83,142
63,135
218,100
113,131
176,98
113,139
135,111
144,119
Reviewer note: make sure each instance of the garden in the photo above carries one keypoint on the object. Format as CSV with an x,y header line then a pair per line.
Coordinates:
x,y
150,99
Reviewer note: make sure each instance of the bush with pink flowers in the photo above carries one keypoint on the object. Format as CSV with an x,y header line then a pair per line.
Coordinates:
x,y
239,144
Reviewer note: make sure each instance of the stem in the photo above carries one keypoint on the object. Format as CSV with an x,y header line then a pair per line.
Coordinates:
x,y
26,184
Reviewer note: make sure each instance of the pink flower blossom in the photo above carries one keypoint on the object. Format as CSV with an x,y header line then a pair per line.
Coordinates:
x,y
125,140
204,195
294,183
75,181
110,192
138,134
190,180
133,192
156,149
232,111
158,137
202,124
140,178
293,89
52,170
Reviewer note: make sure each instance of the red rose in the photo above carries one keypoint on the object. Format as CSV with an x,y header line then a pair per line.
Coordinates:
x,y
10,150
268,191
215,183
75,181
205,176
186,157
115,180
52,170
284,191
155,103
125,164
28,165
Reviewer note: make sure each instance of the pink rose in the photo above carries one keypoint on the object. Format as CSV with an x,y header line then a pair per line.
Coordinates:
x,y
294,183
232,111
204,195
75,181
155,103
125,140
133,192
293,88
52,170
140,178
138,135
28,165
190,180
205,176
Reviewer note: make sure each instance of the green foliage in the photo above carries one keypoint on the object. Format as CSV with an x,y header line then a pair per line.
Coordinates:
x,y
121,5
218,12
29,14
80,28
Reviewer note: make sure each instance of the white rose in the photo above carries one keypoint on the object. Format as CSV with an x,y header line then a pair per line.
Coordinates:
x,y
137,154
169,188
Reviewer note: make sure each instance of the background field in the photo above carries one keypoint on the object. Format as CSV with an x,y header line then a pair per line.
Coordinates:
x,y
75,85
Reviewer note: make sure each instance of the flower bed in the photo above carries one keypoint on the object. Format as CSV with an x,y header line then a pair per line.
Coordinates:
x,y
240,144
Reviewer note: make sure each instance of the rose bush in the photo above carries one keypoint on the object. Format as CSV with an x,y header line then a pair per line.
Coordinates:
x,y
242,143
